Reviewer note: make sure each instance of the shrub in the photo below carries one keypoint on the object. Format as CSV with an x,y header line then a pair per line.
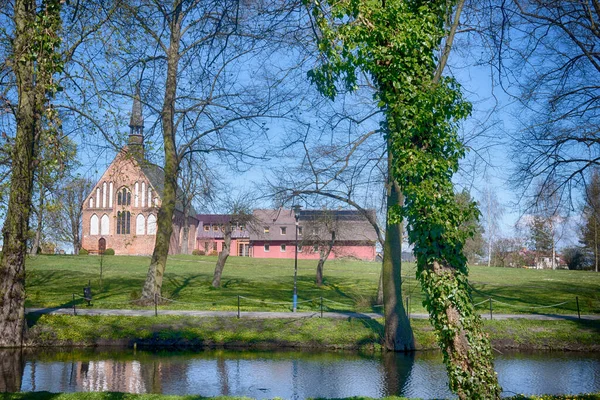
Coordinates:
x,y
83,252
109,252
197,253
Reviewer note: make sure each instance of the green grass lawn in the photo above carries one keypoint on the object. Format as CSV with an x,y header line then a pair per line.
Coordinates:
x,y
266,283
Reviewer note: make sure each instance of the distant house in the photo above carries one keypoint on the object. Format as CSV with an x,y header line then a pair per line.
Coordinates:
x,y
121,211
210,235
272,234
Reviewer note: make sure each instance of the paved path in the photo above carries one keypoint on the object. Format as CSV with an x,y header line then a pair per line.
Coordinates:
x,y
268,314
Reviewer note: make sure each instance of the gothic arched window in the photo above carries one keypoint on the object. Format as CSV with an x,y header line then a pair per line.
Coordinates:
x,y
105,225
124,197
123,223
140,225
94,225
151,224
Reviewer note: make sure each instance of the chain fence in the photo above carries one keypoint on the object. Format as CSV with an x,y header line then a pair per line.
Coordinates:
x,y
320,304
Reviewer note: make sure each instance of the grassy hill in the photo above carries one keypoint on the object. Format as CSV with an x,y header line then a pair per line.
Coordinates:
x,y
266,284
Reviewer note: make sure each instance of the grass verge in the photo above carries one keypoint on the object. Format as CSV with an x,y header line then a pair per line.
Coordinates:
x,y
266,285
351,333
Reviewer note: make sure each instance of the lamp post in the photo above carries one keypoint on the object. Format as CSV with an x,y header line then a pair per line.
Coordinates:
x,y
295,298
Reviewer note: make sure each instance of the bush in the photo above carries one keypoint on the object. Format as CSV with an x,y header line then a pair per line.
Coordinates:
x,y
83,252
575,257
197,253
109,252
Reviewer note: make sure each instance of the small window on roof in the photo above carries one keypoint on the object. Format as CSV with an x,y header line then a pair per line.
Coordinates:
x,y
207,228
300,230
266,229
215,228
283,230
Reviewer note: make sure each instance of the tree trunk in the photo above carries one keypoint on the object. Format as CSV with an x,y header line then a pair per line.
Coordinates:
x,y
596,243
158,263
323,257
459,318
28,117
398,335
40,215
379,299
186,230
222,256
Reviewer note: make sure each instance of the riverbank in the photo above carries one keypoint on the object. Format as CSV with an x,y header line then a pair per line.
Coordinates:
x,y
302,332
127,396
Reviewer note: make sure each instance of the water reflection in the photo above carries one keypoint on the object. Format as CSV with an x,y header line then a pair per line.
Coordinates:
x,y
11,369
290,375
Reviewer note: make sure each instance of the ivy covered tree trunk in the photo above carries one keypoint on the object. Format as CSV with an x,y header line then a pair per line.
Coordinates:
x,y
223,255
158,263
323,256
403,46
33,62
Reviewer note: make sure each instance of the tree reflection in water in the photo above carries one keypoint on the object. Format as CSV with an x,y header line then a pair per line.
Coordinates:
x,y
12,365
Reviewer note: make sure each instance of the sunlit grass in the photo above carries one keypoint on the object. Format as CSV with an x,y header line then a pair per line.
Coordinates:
x,y
267,284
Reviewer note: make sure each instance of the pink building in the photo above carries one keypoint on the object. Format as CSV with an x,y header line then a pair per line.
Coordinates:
x,y
210,235
272,234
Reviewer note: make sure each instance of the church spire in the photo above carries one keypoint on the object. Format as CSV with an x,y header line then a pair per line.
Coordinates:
x,y
136,124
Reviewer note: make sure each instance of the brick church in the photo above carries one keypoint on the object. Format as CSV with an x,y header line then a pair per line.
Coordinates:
x,y
121,211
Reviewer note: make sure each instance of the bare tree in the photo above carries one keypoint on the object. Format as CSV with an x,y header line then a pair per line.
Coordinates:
x,y
200,66
239,218
319,233
589,234
65,219
547,59
492,211
196,185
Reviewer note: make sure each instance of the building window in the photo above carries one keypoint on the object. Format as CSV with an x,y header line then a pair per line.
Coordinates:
x,y
300,249
104,194
205,247
136,195
283,230
206,228
300,230
110,195
140,225
151,224
266,229
124,197
123,223
282,248
91,202
214,246
143,194
94,225
315,248
267,247
105,225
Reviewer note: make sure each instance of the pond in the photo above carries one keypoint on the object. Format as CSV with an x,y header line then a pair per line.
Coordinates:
x,y
286,374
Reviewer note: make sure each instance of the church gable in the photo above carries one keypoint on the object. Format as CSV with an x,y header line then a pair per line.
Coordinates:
x,y
121,211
